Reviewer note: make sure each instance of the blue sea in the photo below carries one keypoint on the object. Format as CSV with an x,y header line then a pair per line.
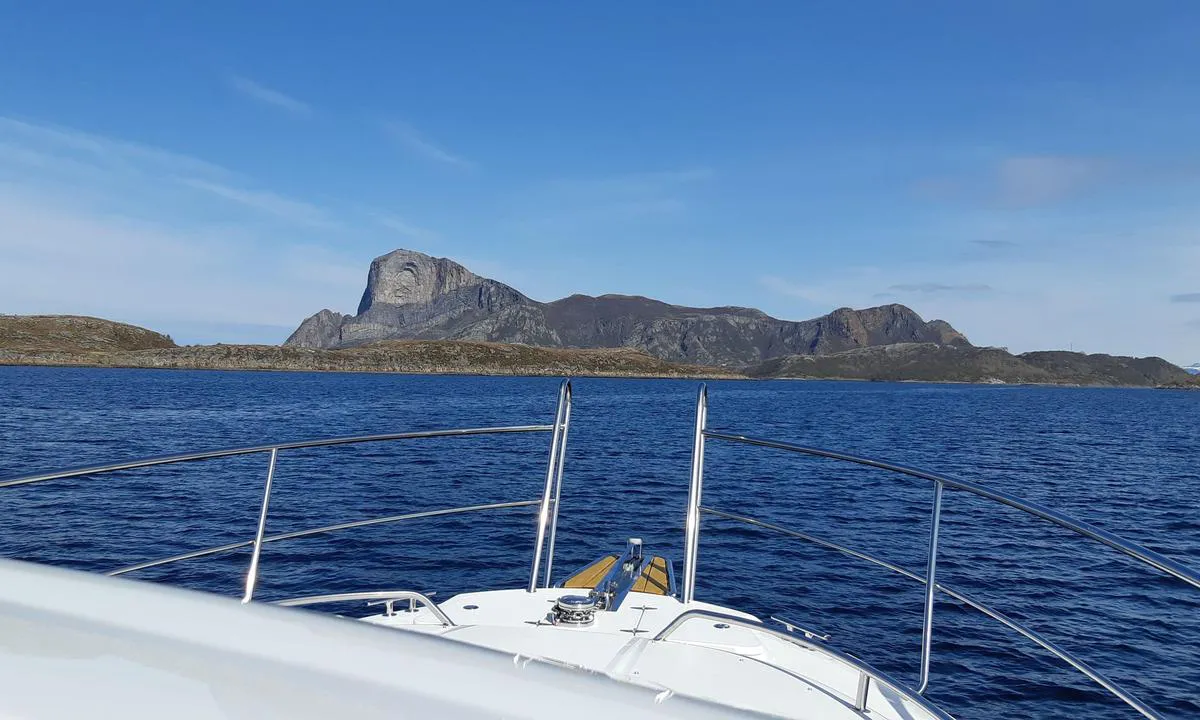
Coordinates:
x,y
1127,460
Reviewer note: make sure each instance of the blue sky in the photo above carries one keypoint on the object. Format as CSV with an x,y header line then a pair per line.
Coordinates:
x,y
1028,171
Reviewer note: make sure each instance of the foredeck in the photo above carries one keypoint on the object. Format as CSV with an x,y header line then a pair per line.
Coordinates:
x,y
698,650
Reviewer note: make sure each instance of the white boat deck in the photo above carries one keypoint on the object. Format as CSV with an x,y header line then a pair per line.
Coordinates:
x,y
75,645
704,658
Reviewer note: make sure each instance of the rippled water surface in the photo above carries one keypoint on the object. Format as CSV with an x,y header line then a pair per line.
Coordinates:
x,y
1127,460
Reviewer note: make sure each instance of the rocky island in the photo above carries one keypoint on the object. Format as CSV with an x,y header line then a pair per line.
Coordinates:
x,y
68,340
412,295
420,314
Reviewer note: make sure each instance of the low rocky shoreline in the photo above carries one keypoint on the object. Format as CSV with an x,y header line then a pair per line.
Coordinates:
x,y
56,340
1193,384
441,357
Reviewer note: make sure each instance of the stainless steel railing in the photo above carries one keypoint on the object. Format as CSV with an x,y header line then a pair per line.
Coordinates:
x,y
554,469
387,597
867,673
218,549
547,525
940,482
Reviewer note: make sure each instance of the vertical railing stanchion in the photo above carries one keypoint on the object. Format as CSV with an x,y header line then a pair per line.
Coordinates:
x,y
252,574
930,586
551,468
864,688
562,457
691,537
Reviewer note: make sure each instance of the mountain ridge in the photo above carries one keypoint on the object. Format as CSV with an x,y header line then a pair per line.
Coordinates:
x,y
410,295
94,342
422,357
932,362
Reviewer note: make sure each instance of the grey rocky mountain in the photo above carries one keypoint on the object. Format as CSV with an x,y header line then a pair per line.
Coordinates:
x,y
410,295
961,363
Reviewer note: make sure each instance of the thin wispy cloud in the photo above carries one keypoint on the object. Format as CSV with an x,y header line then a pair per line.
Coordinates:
x,y
1024,181
404,227
268,96
59,145
1047,299
932,287
640,197
641,184
321,266
294,211
410,139
113,221
1039,180
779,286
996,244
938,189
128,268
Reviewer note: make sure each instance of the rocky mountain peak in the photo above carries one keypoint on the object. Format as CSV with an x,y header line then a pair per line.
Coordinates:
x,y
408,277
321,330
411,295
946,334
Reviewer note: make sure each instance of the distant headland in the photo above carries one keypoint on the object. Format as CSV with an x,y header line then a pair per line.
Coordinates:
x,y
420,314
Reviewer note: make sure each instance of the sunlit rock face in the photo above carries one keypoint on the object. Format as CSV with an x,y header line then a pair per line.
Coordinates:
x,y
410,295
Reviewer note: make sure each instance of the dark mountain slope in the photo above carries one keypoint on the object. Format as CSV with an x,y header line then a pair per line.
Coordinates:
x,y
940,363
410,295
